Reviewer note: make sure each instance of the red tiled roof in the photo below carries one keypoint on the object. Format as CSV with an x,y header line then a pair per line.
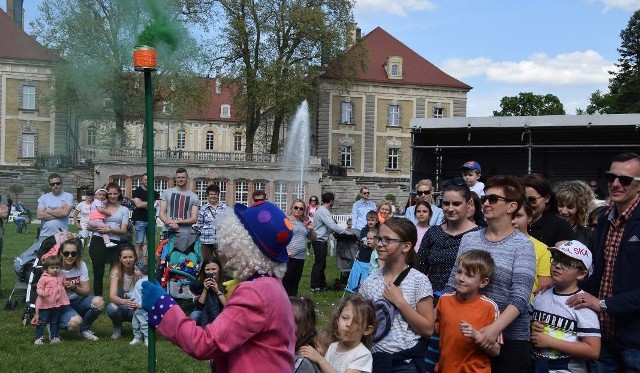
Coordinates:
x,y
415,69
17,44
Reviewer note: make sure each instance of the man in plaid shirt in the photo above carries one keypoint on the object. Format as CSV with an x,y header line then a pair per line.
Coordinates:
x,y
614,286
207,221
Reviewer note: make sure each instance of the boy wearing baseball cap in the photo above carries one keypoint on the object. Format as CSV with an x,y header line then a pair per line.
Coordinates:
x,y
563,337
471,172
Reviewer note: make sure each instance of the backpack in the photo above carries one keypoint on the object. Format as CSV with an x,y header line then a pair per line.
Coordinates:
x,y
386,311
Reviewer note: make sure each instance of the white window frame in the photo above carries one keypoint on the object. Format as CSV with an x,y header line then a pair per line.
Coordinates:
x,y
346,112
182,139
242,192
395,69
280,195
225,111
222,196
135,183
394,115
210,140
201,189
258,185
160,185
237,142
28,145
298,190
393,159
167,107
346,156
28,97
438,112
122,182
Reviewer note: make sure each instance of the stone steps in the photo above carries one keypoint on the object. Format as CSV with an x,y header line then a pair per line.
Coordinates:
x,y
347,190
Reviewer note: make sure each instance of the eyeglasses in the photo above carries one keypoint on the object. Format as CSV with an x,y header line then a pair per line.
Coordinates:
x,y
258,200
55,183
385,241
72,254
493,199
624,180
533,200
298,208
423,192
367,193
562,264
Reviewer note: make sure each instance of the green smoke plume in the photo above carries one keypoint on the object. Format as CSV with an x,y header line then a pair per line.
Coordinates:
x,y
161,28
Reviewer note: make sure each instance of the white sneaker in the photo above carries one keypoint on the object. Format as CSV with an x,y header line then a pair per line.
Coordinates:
x,y
117,333
135,341
88,334
111,244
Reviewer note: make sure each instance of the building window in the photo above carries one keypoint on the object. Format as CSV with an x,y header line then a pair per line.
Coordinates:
x,y
394,67
225,111
280,195
160,185
345,156
258,185
28,145
201,190
394,115
91,136
346,113
209,140
237,142
167,107
122,183
222,196
28,97
182,139
242,192
438,112
393,161
298,191
135,183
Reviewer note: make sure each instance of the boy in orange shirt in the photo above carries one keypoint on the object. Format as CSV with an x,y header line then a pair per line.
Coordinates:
x,y
461,314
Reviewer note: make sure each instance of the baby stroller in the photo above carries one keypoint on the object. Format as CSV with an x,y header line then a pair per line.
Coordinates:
x,y
28,269
347,246
178,268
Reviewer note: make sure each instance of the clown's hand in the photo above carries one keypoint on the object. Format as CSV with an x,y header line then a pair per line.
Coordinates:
x,y
150,294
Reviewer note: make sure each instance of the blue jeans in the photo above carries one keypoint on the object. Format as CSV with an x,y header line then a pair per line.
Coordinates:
x,y
141,230
616,358
21,224
48,316
119,314
79,307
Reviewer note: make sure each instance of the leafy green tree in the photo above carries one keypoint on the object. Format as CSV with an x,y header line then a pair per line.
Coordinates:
x,y
274,50
526,103
95,78
624,85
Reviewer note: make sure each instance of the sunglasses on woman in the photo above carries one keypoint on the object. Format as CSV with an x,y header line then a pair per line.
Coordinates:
x,y
493,199
624,180
297,208
72,254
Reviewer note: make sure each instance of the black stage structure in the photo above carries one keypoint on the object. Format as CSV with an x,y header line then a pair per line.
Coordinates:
x,y
560,147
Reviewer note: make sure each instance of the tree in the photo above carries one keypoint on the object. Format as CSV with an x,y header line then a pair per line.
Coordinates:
x,y
95,39
273,50
624,86
526,103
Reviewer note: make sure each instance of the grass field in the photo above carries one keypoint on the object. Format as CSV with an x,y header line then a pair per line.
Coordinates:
x,y
18,354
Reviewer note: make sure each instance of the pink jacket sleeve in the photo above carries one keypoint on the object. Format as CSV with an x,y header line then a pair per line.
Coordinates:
x,y
242,317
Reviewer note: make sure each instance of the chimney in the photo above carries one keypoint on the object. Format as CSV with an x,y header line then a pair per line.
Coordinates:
x,y
15,10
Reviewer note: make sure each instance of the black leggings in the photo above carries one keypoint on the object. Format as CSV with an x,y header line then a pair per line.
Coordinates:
x,y
101,256
292,276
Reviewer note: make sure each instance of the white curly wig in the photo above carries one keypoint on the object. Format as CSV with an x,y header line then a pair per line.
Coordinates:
x,y
241,253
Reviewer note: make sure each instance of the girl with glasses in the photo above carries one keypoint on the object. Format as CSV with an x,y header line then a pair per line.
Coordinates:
x,y
414,318
84,308
545,224
297,249
511,284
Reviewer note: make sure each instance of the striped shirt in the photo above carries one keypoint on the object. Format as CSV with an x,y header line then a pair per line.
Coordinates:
x,y
207,222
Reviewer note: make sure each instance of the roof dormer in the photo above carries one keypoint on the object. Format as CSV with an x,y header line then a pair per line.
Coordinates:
x,y
394,67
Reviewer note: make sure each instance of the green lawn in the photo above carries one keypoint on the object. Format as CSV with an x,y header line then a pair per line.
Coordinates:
x,y
18,354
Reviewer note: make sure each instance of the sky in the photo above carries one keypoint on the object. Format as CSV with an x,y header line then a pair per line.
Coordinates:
x,y
503,47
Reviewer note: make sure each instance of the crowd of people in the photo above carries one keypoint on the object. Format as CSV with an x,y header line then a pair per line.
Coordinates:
x,y
507,275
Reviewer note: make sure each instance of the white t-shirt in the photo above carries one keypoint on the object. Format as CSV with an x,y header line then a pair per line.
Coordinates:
x,y
478,188
75,275
358,358
83,209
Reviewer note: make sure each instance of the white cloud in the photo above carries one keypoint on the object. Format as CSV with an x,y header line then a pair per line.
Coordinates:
x,y
575,68
396,7
630,5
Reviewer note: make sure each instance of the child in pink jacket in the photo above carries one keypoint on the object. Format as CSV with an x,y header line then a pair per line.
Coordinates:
x,y
255,330
51,297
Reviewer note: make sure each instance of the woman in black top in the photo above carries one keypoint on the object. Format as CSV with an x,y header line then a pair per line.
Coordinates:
x,y
545,225
574,199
